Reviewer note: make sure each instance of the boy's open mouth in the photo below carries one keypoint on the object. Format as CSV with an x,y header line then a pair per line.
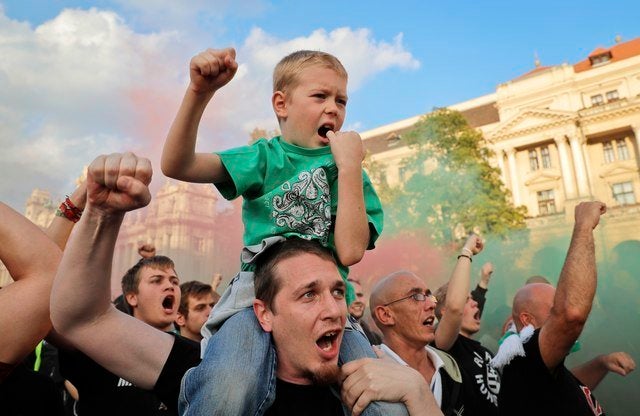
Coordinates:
x,y
322,131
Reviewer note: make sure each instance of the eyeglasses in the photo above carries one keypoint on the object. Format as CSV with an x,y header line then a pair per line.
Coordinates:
x,y
418,297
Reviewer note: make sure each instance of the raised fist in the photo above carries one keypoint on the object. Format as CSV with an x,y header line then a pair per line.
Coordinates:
x,y
118,182
588,213
212,69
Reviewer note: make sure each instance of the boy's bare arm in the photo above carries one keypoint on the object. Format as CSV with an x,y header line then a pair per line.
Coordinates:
x,y
61,227
209,71
352,226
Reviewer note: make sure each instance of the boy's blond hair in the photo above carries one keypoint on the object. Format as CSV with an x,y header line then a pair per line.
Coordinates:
x,y
285,74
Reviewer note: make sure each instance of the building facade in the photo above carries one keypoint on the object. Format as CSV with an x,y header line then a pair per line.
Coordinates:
x,y
561,134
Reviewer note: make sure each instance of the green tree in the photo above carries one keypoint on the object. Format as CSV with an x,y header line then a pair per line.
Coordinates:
x,y
448,186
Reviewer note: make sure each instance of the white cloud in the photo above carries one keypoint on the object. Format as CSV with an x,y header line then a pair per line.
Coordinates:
x,y
86,83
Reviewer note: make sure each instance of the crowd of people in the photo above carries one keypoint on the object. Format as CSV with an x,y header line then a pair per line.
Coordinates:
x,y
287,336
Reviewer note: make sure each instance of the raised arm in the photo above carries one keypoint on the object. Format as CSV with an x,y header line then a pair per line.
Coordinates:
x,y
593,372
457,295
576,288
479,293
209,71
81,310
352,226
31,259
61,226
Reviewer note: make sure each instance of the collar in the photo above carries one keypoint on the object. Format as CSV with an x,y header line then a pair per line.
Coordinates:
x,y
433,356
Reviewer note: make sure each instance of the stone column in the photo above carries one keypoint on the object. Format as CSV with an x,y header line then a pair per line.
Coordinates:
x,y
578,164
503,173
636,132
515,186
567,175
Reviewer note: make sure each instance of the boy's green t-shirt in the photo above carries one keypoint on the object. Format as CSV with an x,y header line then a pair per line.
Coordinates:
x,y
290,191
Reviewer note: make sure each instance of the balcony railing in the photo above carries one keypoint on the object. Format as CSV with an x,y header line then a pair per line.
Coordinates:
x,y
597,109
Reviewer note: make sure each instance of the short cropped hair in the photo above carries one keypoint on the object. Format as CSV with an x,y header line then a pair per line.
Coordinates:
x,y
193,288
441,299
267,283
131,279
285,74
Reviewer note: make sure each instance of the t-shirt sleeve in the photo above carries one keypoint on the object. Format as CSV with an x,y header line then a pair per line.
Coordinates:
x,y
184,355
246,166
373,206
479,295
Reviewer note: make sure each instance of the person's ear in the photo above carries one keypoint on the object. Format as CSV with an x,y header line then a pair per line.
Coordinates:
x,y
131,299
181,320
384,315
264,315
526,318
279,102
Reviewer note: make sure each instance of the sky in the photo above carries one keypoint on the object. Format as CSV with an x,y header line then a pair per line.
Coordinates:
x,y
79,79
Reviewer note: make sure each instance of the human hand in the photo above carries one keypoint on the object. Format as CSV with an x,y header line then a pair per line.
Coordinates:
x,y
118,183
212,69
619,362
146,250
347,149
485,274
473,245
79,196
215,281
588,214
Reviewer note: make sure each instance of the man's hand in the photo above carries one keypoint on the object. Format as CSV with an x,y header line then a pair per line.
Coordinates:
x,y
216,279
118,183
146,250
619,362
473,245
347,149
588,214
485,274
212,69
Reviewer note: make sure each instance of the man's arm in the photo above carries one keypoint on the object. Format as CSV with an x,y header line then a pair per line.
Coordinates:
x,y
369,379
479,293
209,71
352,227
576,288
593,372
457,295
61,227
31,259
81,310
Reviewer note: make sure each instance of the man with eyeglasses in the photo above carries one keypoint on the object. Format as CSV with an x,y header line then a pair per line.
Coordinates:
x,y
404,309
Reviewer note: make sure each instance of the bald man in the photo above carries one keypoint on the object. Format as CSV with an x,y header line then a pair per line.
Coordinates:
x,y
549,321
403,308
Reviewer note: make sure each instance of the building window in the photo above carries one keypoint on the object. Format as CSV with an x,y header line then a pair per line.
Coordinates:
x,y
546,202
623,193
600,59
546,158
612,96
597,100
607,148
533,160
623,150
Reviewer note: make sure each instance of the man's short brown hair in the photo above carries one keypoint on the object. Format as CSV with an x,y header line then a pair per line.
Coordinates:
x,y
285,74
131,279
267,283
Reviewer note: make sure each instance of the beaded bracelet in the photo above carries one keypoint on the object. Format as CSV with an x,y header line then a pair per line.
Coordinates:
x,y
69,211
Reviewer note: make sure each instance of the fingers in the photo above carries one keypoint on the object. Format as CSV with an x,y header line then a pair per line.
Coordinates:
x,y
136,190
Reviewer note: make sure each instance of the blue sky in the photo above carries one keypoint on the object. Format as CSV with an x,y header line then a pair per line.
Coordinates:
x,y
82,78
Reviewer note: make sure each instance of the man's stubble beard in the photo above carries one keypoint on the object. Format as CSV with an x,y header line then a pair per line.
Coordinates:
x,y
326,375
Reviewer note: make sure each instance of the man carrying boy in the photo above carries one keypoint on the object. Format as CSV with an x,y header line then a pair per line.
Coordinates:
x,y
291,186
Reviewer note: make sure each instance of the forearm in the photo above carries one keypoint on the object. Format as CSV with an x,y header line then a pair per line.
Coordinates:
x,y
85,272
420,402
352,226
479,295
457,294
178,154
592,372
60,228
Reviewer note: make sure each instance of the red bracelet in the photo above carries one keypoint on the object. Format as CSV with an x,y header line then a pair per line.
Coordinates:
x,y
69,211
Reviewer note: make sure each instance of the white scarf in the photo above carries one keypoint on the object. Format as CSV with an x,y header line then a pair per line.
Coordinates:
x,y
511,347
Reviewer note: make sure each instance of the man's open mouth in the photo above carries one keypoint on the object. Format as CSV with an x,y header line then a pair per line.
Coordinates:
x,y
476,315
429,321
327,341
168,302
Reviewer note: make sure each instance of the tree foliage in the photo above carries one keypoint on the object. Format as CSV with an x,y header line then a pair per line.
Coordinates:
x,y
448,187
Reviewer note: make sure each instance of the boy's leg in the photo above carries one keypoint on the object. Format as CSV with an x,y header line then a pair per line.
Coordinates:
x,y
237,374
355,345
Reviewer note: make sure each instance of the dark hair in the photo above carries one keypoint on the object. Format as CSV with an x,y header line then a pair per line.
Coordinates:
x,y
131,279
267,284
192,288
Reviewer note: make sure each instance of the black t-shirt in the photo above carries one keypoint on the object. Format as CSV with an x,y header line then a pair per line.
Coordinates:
x,y
530,388
307,400
480,381
28,393
104,393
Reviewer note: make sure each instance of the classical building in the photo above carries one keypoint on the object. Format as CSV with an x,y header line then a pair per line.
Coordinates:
x,y
561,134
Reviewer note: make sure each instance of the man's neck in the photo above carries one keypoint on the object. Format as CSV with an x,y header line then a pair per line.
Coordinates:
x,y
415,355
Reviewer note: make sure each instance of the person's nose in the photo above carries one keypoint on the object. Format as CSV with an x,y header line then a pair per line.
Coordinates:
x,y
331,307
